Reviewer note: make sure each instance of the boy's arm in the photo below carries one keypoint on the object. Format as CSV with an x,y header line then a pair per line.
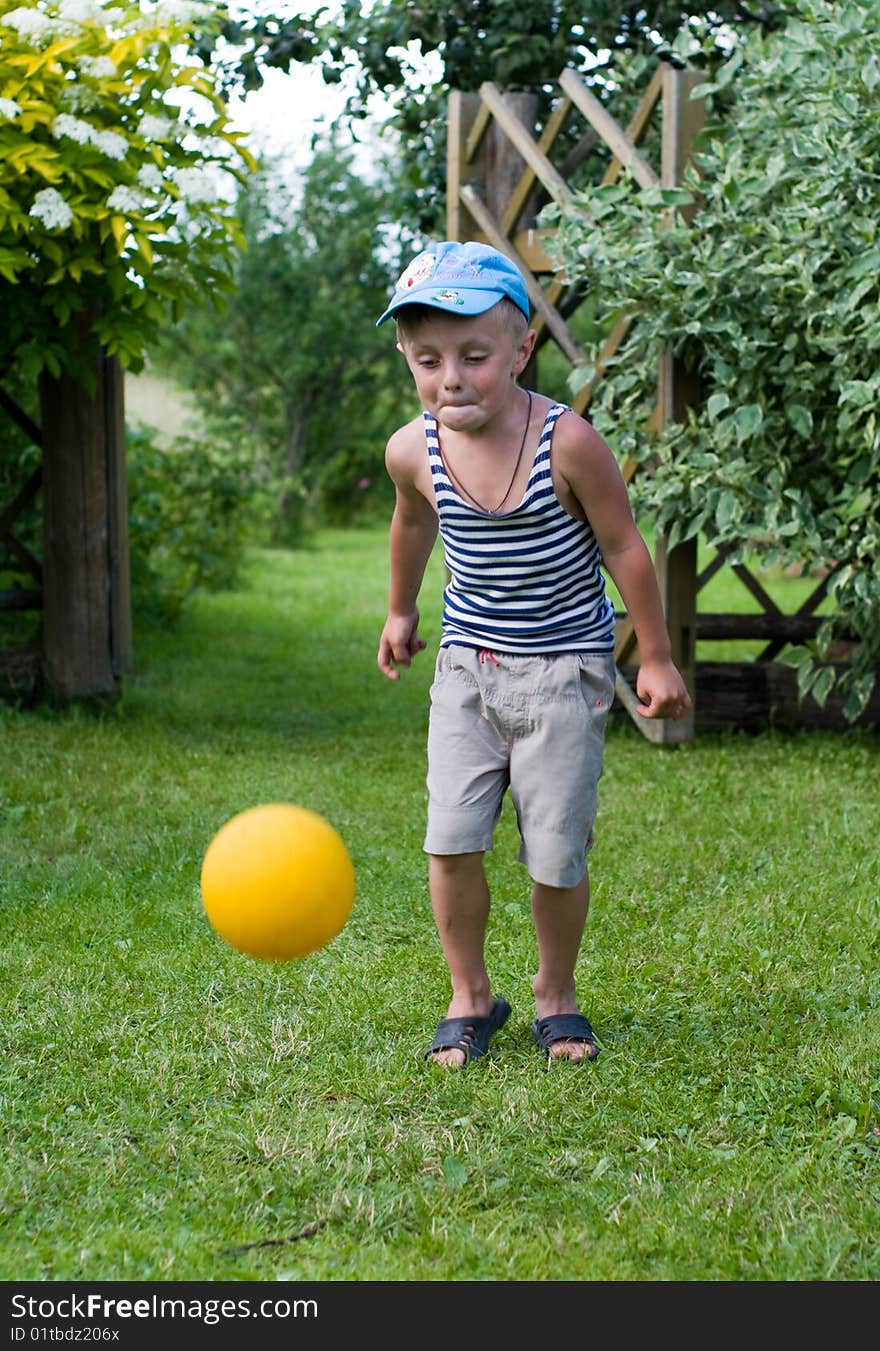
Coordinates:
x,y
412,535
594,478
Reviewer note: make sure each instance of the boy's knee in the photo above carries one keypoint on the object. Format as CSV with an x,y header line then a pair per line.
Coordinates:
x,y
451,863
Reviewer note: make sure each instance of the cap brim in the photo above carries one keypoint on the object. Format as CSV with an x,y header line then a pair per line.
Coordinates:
x,y
467,303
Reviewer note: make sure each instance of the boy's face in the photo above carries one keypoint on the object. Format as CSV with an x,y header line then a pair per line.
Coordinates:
x,y
465,368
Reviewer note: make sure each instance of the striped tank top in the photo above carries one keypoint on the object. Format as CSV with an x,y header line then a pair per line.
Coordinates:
x,y
528,580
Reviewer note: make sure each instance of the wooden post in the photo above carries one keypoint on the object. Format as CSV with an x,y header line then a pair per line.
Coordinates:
x,y
503,169
505,164
677,567
462,168
86,607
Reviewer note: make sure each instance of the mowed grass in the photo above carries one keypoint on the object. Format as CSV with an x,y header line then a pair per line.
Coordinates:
x,y
173,1110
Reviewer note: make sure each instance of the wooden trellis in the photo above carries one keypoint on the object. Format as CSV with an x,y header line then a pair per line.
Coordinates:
x,y
498,172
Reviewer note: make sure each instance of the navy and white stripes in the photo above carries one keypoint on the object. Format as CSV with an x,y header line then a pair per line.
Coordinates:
x,y
525,581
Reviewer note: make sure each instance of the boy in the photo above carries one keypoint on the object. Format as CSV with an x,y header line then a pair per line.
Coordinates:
x,y
530,504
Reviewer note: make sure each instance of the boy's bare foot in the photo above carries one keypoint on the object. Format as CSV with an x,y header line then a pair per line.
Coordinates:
x,y
462,1037
566,1036
562,1030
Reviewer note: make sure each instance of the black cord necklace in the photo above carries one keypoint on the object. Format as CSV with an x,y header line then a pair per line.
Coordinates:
x,y
490,511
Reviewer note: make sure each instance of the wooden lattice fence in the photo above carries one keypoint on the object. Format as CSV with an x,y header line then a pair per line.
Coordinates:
x,y
499,173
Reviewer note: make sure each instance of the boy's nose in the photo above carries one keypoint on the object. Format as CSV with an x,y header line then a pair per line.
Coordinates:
x,y
451,377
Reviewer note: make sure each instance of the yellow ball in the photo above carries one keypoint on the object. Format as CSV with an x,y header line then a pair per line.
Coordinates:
x,y
277,882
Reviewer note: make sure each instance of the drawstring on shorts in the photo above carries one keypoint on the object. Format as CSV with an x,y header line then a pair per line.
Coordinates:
x,y
484,653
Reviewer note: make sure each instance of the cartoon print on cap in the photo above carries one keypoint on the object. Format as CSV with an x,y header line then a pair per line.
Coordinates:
x,y
419,270
448,297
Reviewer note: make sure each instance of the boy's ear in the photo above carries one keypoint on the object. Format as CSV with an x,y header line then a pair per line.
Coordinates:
x,y
524,351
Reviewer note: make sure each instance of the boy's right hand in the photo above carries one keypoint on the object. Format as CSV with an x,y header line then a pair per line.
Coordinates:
x,y
399,643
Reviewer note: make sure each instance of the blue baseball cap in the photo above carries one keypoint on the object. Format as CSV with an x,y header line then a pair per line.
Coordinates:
x,y
458,278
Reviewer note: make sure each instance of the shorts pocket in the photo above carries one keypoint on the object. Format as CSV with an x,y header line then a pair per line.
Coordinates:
x,y
441,669
597,677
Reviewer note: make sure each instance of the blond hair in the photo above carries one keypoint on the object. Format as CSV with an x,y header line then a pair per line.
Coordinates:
x,y
410,317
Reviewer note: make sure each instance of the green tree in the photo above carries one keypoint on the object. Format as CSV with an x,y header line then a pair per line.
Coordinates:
x,y
117,172
298,363
772,295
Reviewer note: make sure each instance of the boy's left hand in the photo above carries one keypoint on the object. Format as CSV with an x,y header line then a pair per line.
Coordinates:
x,y
399,643
662,691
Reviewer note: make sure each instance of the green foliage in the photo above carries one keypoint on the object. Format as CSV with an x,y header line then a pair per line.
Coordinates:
x,y
771,296
193,509
114,198
376,49
298,363
19,459
19,454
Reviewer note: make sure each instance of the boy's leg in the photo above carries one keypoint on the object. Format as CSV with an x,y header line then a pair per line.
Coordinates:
x,y
560,914
460,901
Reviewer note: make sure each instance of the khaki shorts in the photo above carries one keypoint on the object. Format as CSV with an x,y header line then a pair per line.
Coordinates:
x,y
535,725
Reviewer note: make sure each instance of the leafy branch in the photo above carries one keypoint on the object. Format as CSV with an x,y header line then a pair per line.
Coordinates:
x,y
771,297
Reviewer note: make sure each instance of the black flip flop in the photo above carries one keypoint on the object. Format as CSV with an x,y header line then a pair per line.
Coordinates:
x,y
471,1035
564,1027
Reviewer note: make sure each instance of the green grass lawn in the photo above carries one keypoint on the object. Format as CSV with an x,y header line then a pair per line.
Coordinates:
x,y
175,1111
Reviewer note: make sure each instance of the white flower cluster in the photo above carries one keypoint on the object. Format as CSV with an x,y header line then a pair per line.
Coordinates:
x,y
76,130
196,186
50,208
150,177
180,11
99,67
38,28
9,108
31,25
125,199
81,11
110,143
154,128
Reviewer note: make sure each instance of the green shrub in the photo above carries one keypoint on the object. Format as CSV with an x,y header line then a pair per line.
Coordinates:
x,y
353,486
193,510
19,457
771,296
